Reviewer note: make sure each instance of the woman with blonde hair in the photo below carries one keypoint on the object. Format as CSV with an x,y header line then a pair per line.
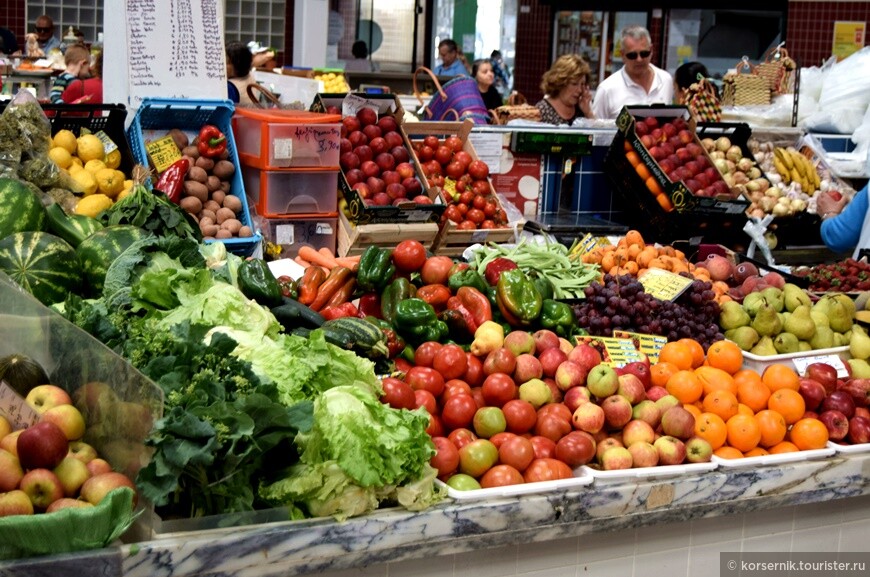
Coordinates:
x,y
566,91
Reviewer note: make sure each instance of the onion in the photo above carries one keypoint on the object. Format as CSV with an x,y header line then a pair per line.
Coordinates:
x,y
745,164
721,165
734,153
708,143
723,143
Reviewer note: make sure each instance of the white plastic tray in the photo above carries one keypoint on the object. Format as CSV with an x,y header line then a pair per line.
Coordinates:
x,y
763,460
648,472
758,363
849,448
580,479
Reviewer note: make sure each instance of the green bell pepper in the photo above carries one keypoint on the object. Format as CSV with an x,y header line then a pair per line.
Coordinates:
x,y
418,321
544,286
394,293
518,299
376,269
257,282
467,277
558,317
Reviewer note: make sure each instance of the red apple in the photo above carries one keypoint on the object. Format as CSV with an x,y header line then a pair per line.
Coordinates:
x,y
42,445
672,451
574,397
372,131
400,154
631,388
617,411
387,124
363,190
391,177
570,375
837,400
395,139
528,367
637,431
10,471
364,152
344,145
98,466
385,161
616,458
678,422
378,145
859,389
367,116
824,374
648,411
639,369
67,503
97,487
550,359
421,199
68,418
588,417
836,422
585,355
500,360
396,191
376,184
43,397
643,455
350,124
813,393
698,450
381,199
859,430
369,168
354,175
545,339
42,487
405,170
357,138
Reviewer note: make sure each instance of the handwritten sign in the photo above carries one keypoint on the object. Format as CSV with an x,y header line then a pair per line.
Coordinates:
x,y
353,103
664,285
835,361
16,410
163,153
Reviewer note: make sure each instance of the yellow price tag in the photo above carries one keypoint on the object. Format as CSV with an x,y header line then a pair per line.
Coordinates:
x,y
589,243
664,285
450,188
650,345
163,153
614,351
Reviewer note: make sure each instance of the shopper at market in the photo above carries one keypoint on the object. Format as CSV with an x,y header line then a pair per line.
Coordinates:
x,y
239,59
482,71
86,90
685,75
501,71
78,65
451,63
637,82
8,42
845,224
45,34
360,62
566,91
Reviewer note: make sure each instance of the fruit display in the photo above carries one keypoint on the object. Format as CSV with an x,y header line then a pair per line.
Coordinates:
x,y
840,403
848,275
333,82
740,172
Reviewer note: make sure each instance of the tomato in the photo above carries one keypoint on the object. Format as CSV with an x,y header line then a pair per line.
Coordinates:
x,y
477,393
439,182
452,213
443,155
463,208
436,427
426,400
466,197
481,187
477,457
488,421
409,256
454,142
436,270
432,168
425,153
458,411
425,378
479,201
460,188
451,361
463,482
455,387
575,449
462,158
557,409
402,366
454,170
474,370
519,415
499,438
461,437
475,215
487,224
498,389
501,476
467,225
491,207
543,446
425,353
518,452
478,169
547,470
446,457
431,141
552,427
398,394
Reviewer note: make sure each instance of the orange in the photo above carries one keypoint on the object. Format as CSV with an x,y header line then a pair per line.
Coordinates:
x,y
745,410
756,452
725,355
661,372
722,403
711,428
784,447
726,452
694,409
686,386
697,351
751,390
779,376
743,432
634,237
773,427
665,202
808,434
788,403
716,379
678,354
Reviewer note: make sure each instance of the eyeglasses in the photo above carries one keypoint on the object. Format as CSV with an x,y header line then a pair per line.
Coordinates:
x,y
41,29
634,55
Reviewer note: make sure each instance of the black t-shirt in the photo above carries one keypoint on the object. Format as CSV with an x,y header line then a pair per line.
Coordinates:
x,y
491,98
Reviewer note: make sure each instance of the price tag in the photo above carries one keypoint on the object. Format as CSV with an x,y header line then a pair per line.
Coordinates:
x,y
285,234
449,187
589,243
614,351
835,361
664,285
323,228
352,104
283,148
16,410
163,153
650,345
108,144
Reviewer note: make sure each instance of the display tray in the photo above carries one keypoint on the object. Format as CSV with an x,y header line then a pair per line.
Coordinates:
x,y
778,459
848,448
758,363
621,475
580,479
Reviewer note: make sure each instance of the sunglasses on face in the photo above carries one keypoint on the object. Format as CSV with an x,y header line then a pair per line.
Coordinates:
x,y
634,55
41,29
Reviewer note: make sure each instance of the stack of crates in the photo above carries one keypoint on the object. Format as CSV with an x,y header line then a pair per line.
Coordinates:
x,y
290,168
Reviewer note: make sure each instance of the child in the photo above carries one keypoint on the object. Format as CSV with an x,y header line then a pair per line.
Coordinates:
x,y
78,65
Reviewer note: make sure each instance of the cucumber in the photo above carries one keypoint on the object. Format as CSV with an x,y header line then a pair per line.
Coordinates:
x,y
358,335
293,314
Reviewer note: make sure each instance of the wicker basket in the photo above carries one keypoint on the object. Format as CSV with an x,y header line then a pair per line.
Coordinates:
x,y
778,70
744,86
516,108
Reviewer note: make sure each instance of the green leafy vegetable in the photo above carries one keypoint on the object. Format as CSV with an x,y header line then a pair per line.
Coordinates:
x,y
153,213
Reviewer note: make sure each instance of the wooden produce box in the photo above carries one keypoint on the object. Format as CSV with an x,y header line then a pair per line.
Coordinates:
x,y
452,241
353,238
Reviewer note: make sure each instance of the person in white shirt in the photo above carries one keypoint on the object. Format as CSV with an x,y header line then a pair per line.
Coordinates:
x,y
637,82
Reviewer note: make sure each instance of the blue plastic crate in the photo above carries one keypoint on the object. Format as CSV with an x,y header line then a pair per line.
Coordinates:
x,y
191,115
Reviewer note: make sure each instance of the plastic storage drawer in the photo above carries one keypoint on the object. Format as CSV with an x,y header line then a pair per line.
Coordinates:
x,y
271,138
281,193
318,231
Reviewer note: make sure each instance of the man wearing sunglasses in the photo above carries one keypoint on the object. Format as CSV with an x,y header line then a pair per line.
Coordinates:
x,y
637,82
45,34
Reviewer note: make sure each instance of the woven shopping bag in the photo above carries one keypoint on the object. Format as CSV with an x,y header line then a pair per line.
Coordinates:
x,y
703,101
459,99
778,69
268,99
517,108
743,86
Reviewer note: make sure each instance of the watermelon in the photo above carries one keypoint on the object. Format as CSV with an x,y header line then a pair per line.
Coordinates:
x,y
100,250
41,263
20,208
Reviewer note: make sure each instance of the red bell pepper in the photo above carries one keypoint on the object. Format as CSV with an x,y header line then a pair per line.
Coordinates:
x,y
472,305
212,142
171,181
370,305
345,309
496,267
436,295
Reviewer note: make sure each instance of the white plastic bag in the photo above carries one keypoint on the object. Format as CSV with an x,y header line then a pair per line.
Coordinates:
x,y
844,97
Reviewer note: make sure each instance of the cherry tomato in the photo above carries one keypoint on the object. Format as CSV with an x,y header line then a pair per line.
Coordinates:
x,y
487,224
491,207
454,170
409,256
499,438
516,451
433,168
463,208
475,215
547,469
488,421
462,158
402,366
398,394
467,225
478,169
431,141
474,370
443,154
460,186
479,201
451,361
426,400
498,389
436,270
425,153
575,449
482,188
461,437
544,447
552,427
454,142
452,213
458,411
425,378
477,457
501,476
425,353
446,457
520,416
466,197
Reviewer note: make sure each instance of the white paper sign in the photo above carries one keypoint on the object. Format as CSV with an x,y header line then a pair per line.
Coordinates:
x,y
16,410
835,361
488,147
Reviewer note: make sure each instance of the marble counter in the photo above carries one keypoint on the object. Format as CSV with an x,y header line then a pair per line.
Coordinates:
x,y
301,548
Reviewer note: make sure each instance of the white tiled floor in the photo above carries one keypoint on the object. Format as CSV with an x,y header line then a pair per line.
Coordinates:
x,y
678,549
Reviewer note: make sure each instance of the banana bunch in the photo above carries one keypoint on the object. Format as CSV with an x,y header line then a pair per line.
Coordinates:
x,y
793,166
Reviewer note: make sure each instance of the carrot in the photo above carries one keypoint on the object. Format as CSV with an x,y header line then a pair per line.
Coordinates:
x,y
351,262
315,257
302,262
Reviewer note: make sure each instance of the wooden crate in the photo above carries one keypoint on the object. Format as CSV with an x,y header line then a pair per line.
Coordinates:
x,y
354,239
453,242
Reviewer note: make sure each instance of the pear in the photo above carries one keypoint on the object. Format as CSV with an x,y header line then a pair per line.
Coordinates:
x,y
733,315
800,324
743,337
840,340
785,343
847,302
862,301
767,322
775,297
804,346
794,296
764,347
752,302
859,343
823,305
860,368
839,316
823,339
820,318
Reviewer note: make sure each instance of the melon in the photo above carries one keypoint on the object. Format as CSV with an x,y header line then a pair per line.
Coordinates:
x,y
20,208
42,264
97,252
22,373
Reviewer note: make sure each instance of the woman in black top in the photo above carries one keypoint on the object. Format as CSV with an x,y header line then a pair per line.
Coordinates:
x,y
566,93
482,72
